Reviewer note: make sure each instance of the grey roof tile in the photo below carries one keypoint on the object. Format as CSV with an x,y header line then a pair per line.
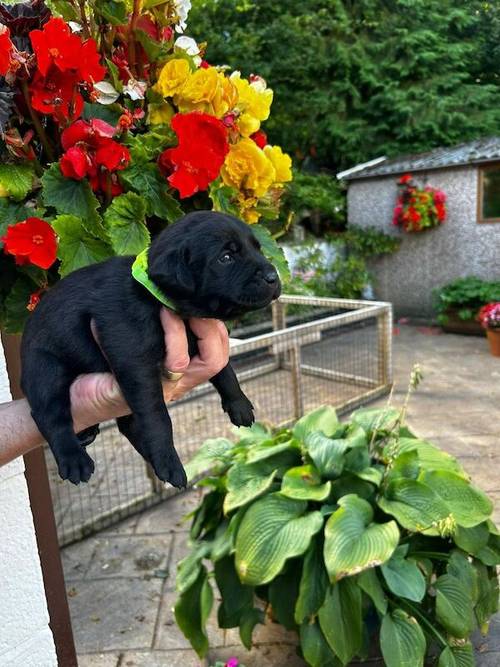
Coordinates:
x,y
473,152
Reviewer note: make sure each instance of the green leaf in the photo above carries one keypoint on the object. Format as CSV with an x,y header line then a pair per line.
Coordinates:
x,y
252,435
215,452
16,311
272,447
192,610
236,598
146,180
340,619
313,583
415,506
69,196
490,554
353,543
327,454
381,419
304,483
454,608
402,640
113,11
245,482
315,648
155,51
460,568
190,567
109,113
369,582
64,9
457,656
125,223
17,179
76,247
468,505
487,598
224,198
406,464
429,456
322,419
11,212
371,474
283,593
272,251
403,577
273,530
249,619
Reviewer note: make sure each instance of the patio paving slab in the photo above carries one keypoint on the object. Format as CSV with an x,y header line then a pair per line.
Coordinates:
x,y
457,407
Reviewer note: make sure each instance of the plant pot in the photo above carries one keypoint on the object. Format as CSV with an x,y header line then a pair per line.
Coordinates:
x,y
494,341
455,325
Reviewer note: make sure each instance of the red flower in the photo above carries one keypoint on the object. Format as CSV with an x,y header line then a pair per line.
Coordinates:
x,y
90,149
260,138
100,182
56,46
34,300
57,95
405,179
6,49
199,156
31,241
205,65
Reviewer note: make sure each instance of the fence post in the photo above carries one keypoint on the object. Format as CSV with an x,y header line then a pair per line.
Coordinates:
x,y
298,401
384,346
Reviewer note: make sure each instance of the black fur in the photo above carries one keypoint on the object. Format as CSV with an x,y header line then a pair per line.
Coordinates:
x,y
210,265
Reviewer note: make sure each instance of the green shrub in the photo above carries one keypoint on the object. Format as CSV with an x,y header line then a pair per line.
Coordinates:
x,y
465,296
343,532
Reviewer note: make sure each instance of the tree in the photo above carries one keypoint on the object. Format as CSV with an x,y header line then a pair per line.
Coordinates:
x,y
355,79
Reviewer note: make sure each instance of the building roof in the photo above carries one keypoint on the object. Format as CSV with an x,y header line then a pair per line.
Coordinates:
x,y
474,152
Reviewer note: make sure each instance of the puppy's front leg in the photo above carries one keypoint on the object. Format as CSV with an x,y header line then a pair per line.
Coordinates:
x,y
234,401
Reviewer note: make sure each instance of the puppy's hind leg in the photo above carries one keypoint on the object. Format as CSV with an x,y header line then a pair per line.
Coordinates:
x,y
51,410
234,401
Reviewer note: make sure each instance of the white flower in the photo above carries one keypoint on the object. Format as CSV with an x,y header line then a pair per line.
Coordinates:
x,y
189,45
75,27
135,89
182,8
106,92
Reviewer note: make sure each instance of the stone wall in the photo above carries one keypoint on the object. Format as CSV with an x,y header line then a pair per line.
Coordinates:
x,y
459,248
25,636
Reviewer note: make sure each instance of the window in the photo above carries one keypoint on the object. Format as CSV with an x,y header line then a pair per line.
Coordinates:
x,y
489,194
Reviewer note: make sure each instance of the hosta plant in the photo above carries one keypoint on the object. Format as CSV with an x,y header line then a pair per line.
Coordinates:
x,y
356,535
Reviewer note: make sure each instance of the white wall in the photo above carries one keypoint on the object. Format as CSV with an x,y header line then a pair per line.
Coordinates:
x,y
25,636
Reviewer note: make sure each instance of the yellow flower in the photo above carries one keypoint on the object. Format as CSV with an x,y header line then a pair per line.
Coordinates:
x,y
254,103
281,162
209,91
247,169
160,114
173,77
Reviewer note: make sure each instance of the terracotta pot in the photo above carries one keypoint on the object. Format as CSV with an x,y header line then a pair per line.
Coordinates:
x,y
494,341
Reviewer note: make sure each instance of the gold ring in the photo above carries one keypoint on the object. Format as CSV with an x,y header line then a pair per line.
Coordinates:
x,y
171,376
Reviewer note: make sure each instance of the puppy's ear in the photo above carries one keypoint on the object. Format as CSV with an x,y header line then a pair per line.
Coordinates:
x,y
170,270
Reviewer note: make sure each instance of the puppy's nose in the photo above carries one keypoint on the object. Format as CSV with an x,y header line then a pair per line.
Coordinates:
x,y
271,277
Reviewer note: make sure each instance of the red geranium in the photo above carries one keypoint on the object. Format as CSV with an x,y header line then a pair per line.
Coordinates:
x,y
418,209
6,50
32,241
197,160
260,138
406,178
56,94
90,149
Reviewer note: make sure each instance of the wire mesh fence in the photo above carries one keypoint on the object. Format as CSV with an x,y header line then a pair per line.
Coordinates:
x,y
310,352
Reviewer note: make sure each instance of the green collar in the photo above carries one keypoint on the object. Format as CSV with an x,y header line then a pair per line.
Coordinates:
x,y
140,273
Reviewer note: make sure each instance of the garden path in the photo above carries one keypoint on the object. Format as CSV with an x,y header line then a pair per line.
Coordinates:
x,y
121,581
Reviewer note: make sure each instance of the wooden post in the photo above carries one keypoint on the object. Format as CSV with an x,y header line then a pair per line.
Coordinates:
x,y
45,526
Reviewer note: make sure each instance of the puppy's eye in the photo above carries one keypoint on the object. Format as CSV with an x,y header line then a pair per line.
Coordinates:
x,y
226,258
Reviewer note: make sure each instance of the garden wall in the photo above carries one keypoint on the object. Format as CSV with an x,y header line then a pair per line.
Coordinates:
x,y
25,636
459,248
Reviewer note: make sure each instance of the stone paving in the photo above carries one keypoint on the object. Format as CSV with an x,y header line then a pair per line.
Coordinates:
x,y
121,581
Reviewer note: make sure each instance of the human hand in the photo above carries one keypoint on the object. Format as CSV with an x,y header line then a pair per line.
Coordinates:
x,y
96,397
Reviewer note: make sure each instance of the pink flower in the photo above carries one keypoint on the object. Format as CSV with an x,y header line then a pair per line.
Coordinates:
x,y
232,662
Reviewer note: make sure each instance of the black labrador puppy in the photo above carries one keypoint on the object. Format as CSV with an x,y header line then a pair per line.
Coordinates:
x,y
209,265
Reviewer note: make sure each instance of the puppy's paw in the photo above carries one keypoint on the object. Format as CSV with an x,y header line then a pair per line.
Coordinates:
x,y
76,467
240,412
169,469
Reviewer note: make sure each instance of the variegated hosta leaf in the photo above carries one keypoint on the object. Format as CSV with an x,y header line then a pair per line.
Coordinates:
x,y
304,483
353,543
415,505
402,640
273,529
467,504
245,482
323,419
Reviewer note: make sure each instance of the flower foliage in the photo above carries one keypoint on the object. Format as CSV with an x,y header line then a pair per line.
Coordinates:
x,y
340,531
102,100
489,316
418,209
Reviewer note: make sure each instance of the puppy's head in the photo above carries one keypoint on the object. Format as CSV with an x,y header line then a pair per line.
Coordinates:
x,y
211,265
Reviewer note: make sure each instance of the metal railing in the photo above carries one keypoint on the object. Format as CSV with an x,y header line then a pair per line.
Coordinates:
x,y
339,353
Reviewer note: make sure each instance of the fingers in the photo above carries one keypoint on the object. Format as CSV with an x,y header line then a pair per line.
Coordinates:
x,y
176,343
95,398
